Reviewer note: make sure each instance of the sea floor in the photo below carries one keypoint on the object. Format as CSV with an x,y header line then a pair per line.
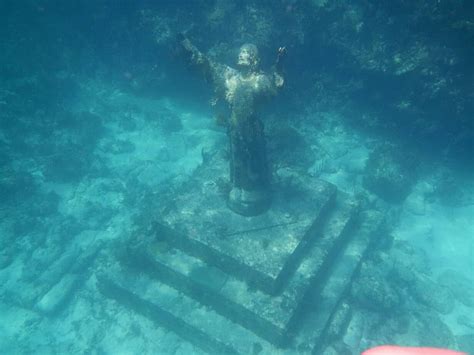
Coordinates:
x,y
150,145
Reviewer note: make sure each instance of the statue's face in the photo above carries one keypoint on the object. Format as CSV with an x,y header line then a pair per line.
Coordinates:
x,y
248,56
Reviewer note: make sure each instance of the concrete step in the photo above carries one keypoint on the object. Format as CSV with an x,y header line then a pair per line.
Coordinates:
x,y
196,314
179,313
263,251
326,313
272,317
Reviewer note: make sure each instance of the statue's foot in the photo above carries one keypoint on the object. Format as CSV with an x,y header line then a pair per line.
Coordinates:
x,y
249,202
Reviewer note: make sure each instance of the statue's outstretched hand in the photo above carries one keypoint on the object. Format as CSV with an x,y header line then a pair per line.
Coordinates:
x,y
280,54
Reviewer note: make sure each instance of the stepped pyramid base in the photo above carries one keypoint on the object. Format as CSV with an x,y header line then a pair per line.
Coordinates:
x,y
261,250
233,284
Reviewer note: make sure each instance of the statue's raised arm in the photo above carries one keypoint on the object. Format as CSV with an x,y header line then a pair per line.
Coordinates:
x,y
278,68
213,72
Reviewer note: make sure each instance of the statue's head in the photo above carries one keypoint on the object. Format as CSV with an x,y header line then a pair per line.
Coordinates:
x,y
248,56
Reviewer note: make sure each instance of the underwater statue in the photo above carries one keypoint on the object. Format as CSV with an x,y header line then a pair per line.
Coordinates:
x,y
243,89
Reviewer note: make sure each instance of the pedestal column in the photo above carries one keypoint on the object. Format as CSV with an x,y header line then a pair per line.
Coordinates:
x,y
249,174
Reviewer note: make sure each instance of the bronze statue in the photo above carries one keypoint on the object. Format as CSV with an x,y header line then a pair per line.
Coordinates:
x,y
243,90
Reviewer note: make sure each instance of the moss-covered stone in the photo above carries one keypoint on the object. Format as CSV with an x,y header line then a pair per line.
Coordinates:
x,y
372,291
389,173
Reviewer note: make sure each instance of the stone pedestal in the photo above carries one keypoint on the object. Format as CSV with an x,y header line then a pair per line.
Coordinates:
x,y
226,282
261,250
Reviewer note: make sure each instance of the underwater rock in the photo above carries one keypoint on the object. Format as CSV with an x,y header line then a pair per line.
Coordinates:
x,y
58,295
373,292
389,173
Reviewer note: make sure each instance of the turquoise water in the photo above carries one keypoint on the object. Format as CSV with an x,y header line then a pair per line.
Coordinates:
x,y
105,122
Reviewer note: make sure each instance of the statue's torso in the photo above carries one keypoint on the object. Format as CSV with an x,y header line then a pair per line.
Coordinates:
x,y
245,87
